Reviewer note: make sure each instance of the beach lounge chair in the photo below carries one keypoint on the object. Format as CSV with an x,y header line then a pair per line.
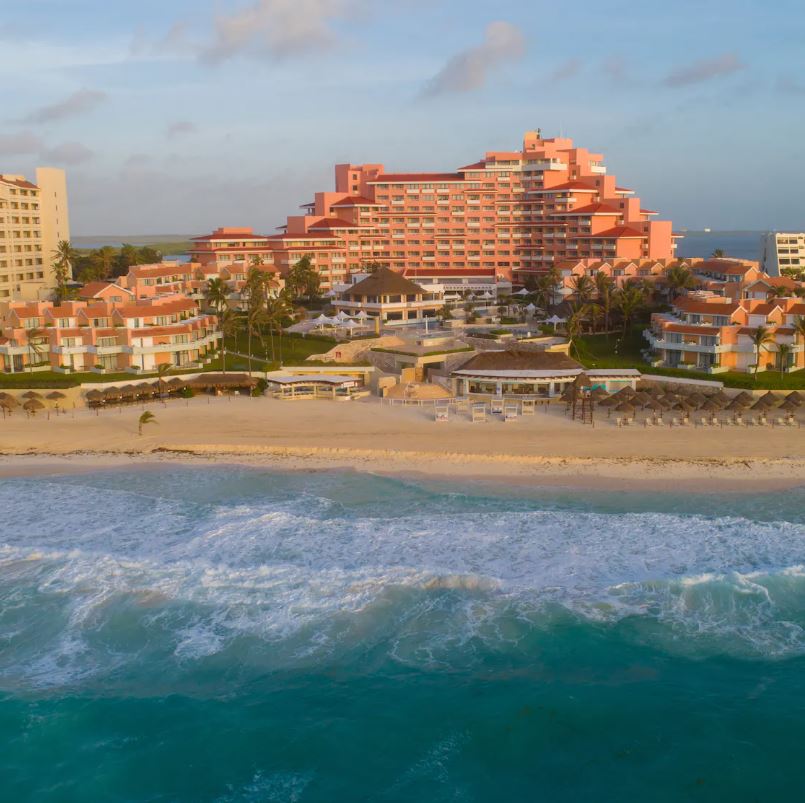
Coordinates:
x,y
674,422
778,422
649,422
739,420
685,421
442,413
496,406
658,421
715,422
478,413
510,412
703,422
527,407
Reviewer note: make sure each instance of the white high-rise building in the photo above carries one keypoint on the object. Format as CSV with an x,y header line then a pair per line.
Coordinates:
x,y
33,220
782,250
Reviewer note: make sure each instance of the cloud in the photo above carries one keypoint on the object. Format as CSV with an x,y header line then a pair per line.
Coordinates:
x,y
179,128
17,144
704,70
564,72
68,153
84,100
790,85
615,69
470,68
277,28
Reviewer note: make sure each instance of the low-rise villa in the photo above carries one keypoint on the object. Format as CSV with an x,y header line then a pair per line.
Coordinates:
x,y
541,374
388,297
705,332
104,336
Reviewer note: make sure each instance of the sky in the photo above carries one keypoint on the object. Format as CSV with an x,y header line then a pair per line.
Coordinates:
x,y
178,116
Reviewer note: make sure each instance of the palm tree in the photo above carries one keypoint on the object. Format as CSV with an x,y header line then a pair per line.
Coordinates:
x,y
629,300
145,418
227,326
679,278
761,339
217,295
543,290
255,317
779,292
784,351
35,345
63,258
162,371
605,287
595,314
582,288
799,329
276,311
574,326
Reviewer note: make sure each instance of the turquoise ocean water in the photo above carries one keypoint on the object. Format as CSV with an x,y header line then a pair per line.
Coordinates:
x,y
227,634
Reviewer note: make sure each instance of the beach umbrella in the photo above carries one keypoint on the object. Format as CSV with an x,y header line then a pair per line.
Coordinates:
x,y
530,309
711,406
746,398
684,406
641,398
761,404
9,402
31,394
522,292
4,395
94,395
697,398
176,382
362,315
771,399
795,397
55,395
656,405
567,395
789,406
33,406
722,397
610,401
321,319
670,398
599,394
736,405
625,407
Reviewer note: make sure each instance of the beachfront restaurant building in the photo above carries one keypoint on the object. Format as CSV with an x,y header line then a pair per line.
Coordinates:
x,y
388,297
532,373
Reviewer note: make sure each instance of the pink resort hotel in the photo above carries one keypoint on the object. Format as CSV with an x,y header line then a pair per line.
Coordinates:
x,y
511,214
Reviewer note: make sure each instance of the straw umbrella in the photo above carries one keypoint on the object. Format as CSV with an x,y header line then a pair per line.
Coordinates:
x,y
625,407
599,394
721,398
711,406
641,398
610,401
697,398
795,396
736,405
31,394
8,404
625,393
670,398
746,398
55,396
33,406
772,399
761,404
789,406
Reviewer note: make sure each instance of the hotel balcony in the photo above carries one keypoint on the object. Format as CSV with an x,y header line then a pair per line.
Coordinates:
x,y
692,346
545,164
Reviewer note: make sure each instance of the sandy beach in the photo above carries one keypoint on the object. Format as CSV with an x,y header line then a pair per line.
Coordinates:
x,y
546,448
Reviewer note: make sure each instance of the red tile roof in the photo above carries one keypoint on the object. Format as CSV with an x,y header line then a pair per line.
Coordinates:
x,y
401,178
720,307
354,200
333,223
26,185
625,232
308,235
228,237
475,166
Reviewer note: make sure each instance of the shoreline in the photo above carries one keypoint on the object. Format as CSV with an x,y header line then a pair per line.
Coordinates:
x,y
515,472
546,449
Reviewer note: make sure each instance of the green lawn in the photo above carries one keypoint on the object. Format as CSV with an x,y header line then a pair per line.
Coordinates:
x,y
294,349
602,351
